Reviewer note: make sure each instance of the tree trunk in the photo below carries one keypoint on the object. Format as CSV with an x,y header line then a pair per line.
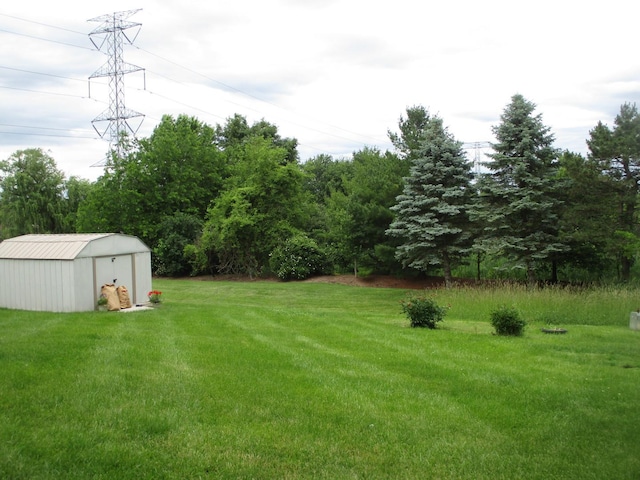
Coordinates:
x,y
554,272
531,275
628,215
446,266
625,270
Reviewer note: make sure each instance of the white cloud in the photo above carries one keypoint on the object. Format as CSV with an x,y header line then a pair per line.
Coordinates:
x,y
335,75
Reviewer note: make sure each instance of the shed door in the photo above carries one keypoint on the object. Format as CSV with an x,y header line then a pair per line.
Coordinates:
x,y
117,269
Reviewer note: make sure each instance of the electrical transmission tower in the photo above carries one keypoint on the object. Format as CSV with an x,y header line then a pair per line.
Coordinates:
x,y
477,157
111,34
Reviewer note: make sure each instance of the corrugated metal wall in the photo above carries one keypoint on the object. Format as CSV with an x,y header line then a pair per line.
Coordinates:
x,y
142,277
37,285
82,283
73,285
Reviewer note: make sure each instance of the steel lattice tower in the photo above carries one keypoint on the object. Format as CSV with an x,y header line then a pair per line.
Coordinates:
x,y
111,33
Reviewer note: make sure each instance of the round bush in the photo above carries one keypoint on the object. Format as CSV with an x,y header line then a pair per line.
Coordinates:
x,y
507,321
423,311
298,258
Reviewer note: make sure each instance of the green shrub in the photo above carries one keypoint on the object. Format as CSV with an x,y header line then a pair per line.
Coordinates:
x,y
298,258
507,321
175,233
423,311
197,259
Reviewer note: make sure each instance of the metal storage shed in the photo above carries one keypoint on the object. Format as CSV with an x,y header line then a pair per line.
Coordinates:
x,y
64,273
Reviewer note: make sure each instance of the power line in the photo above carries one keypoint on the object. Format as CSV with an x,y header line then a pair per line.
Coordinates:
x,y
40,23
45,39
229,87
234,103
183,104
194,72
35,128
150,92
48,93
40,73
48,135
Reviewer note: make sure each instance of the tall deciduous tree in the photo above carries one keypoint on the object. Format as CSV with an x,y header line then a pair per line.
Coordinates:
x,y
261,206
178,231
362,212
432,213
520,210
617,152
236,131
409,140
589,211
324,179
179,168
31,190
76,192
324,175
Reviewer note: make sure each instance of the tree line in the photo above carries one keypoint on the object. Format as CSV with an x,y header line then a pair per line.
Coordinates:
x,y
235,198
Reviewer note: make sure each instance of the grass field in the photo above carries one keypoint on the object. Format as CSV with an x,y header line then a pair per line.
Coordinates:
x,y
303,380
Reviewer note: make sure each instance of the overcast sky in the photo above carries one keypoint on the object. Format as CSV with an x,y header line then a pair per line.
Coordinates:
x,y
336,75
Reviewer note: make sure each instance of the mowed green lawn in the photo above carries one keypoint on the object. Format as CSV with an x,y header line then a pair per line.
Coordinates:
x,y
302,380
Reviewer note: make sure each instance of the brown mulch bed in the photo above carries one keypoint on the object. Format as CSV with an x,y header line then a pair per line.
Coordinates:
x,y
379,281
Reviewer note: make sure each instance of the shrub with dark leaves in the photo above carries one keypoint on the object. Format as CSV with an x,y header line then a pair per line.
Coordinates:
x,y
298,258
507,321
423,311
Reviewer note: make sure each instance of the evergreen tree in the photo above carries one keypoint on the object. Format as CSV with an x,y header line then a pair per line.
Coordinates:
x,y
432,219
520,203
617,153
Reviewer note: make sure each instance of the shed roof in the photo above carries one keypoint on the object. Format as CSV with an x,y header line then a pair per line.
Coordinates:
x,y
57,247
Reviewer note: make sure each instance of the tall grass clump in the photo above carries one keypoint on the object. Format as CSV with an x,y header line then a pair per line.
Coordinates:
x,y
557,305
